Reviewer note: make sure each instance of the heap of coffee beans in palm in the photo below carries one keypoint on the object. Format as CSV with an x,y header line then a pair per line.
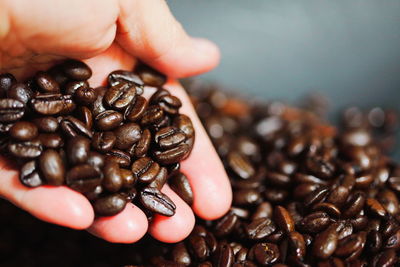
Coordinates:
x,y
109,143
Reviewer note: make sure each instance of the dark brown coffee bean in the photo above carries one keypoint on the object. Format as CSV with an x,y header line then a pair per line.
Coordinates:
x,y
71,87
83,178
51,140
316,197
386,258
240,212
307,178
172,155
375,208
246,197
277,179
225,225
103,141
119,156
145,169
120,95
160,179
123,76
320,168
184,123
95,160
246,263
29,175
266,253
264,210
6,81
85,95
179,254
11,110
354,204
315,222
128,180
126,135
73,127
28,149
140,148
393,241
98,105
108,120
240,165
85,115
363,181
303,190
46,83
335,262
152,115
297,245
350,244
374,241
46,124
329,208
78,149
260,228
170,104
275,195
198,247
283,219
344,229
151,76
52,167
389,201
169,137
156,201
112,180
223,257
23,131
76,70
359,222
394,183
325,242
53,104
109,205
338,195
136,109
180,184
387,227
21,92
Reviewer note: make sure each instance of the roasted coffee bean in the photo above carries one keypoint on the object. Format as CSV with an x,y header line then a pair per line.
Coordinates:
x,y
266,253
325,242
52,167
363,181
112,180
181,186
394,183
108,120
184,123
120,95
374,241
71,87
320,167
354,204
103,141
393,241
23,131
386,258
123,76
109,205
170,104
52,104
46,124
6,81
140,148
329,208
155,98
277,179
375,208
145,169
85,115
46,83
359,222
83,178
317,196
180,254
98,105
128,180
223,256
156,201
275,195
304,190
126,135
28,149
307,178
315,222
85,95
264,210
11,110
297,245
21,92
260,228
283,219
119,156
73,127
246,263
78,149
241,213
246,197
240,165
172,155
389,201
136,109
29,175
95,160
225,225
344,229
350,244
169,137
387,227
160,179
198,247
5,127
76,70
152,115
150,76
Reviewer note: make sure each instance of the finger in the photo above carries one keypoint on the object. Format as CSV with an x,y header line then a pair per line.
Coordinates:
x,y
128,226
206,174
58,205
176,228
148,30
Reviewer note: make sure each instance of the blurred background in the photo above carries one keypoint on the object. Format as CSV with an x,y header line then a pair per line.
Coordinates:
x,y
348,50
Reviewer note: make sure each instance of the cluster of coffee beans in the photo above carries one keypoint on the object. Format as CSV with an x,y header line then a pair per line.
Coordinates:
x,y
109,143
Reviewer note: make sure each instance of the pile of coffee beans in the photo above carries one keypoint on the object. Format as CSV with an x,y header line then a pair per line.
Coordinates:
x,y
109,143
305,194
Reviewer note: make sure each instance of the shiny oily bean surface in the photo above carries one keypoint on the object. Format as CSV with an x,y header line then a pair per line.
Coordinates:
x,y
83,178
21,92
52,104
52,167
109,205
11,110
46,124
180,184
156,201
29,175
126,135
23,131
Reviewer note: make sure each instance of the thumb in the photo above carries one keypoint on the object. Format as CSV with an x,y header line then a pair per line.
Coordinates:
x,y
148,31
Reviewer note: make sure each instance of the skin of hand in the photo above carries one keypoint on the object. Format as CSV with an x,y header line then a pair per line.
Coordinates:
x,y
110,35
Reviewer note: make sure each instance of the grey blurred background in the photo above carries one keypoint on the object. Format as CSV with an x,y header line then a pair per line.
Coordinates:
x,y
348,50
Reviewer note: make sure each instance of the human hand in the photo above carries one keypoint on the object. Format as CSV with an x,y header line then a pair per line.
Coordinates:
x,y
110,35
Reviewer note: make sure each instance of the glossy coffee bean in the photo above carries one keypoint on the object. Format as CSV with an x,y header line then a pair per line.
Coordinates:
x,y
71,87
156,201
386,258
29,175
389,201
46,83
180,184
128,179
172,155
240,165
52,104
108,120
225,225
109,205
223,257
11,110
354,204
375,208
73,127
126,135
76,70
393,241
51,140
140,148
170,104
78,149
23,131
266,253
145,169
103,141
123,76
374,241
136,109
315,222
297,245
150,76
83,178
119,156
325,242
198,247
28,149
120,95
152,115
46,124
283,219
98,105
21,92
95,160
112,180
246,197
260,228
169,137
52,167
180,254
85,95
160,179
329,208
85,115
6,81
